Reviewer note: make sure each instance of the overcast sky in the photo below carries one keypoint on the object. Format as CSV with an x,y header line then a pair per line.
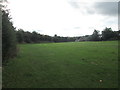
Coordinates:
x,y
64,17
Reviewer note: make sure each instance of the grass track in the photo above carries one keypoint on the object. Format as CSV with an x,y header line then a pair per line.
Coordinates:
x,y
64,65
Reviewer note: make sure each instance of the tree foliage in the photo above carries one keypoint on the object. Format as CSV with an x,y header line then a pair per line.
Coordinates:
x,y
95,36
108,34
34,37
9,45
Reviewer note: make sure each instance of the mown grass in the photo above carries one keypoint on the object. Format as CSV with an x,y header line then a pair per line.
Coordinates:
x,y
64,65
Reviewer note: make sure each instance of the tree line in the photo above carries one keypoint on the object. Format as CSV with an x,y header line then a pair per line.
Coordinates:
x,y
34,37
107,34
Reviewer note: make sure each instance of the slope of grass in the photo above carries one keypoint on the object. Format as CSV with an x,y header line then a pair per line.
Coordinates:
x,y
64,65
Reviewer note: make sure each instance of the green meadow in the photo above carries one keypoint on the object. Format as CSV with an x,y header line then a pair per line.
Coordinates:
x,y
63,65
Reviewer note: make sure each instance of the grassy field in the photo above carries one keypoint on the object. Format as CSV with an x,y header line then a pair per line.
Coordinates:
x,y
64,65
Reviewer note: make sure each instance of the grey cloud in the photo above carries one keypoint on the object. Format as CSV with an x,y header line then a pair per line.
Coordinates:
x,y
119,8
107,0
74,4
104,8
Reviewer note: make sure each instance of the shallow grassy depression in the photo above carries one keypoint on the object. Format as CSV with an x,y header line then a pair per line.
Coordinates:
x,y
64,65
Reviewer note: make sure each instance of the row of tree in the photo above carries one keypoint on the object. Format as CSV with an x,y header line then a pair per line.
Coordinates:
x,y
28,37
34,37
107,34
